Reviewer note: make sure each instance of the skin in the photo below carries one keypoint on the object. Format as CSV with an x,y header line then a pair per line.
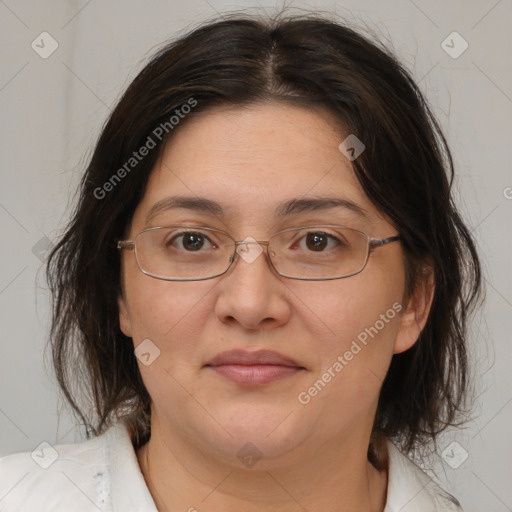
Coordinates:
x,y
314,456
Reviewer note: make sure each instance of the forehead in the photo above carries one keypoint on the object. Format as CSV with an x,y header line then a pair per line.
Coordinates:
x,y
253,160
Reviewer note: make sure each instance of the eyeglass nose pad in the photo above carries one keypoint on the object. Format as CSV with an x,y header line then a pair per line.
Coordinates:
x,y
249,249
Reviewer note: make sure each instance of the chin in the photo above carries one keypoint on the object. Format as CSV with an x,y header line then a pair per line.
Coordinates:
x,y
269,431
266,451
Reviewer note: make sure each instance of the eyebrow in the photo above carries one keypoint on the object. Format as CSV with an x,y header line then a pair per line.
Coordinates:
x,y
285,209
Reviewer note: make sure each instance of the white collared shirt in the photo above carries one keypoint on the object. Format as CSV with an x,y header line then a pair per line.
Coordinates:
x,y
103,474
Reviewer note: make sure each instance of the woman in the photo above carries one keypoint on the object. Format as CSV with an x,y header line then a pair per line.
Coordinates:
x,y
261,300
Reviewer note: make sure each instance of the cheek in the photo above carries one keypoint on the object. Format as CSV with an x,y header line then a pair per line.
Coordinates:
x,y
170,315
361,317
163,310
355,306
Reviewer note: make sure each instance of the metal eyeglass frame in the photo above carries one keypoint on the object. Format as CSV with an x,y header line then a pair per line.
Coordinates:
x,y
373,243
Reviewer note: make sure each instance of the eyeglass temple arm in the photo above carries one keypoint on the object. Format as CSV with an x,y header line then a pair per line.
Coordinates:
x,y
126,244
375,242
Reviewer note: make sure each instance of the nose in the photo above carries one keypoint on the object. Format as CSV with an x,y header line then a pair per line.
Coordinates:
x,y
251,293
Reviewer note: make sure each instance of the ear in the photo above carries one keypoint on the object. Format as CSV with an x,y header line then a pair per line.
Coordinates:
x,y
415,315
125,322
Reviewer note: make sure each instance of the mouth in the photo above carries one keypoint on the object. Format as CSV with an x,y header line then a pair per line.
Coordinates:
x,y
253,368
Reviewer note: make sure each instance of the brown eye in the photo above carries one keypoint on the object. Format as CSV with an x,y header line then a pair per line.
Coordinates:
x,y
190,241
193,241
316,241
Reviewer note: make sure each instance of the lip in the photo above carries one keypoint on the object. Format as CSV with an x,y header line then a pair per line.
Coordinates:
x,y
253,368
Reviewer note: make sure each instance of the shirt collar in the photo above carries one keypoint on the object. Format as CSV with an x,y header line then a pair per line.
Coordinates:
x,y
409,488
128,487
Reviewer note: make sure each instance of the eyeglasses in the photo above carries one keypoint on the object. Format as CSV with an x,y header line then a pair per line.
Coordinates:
x,y
310,253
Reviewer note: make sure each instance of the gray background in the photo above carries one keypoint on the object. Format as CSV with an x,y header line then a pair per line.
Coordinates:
x,y
52,111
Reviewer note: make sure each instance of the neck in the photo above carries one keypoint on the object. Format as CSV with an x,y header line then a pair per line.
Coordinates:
x,y
337,477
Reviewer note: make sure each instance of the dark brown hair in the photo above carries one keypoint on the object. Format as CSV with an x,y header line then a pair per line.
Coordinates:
x,y
406,171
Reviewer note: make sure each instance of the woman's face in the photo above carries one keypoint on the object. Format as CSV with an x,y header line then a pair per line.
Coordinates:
x,y
337,335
